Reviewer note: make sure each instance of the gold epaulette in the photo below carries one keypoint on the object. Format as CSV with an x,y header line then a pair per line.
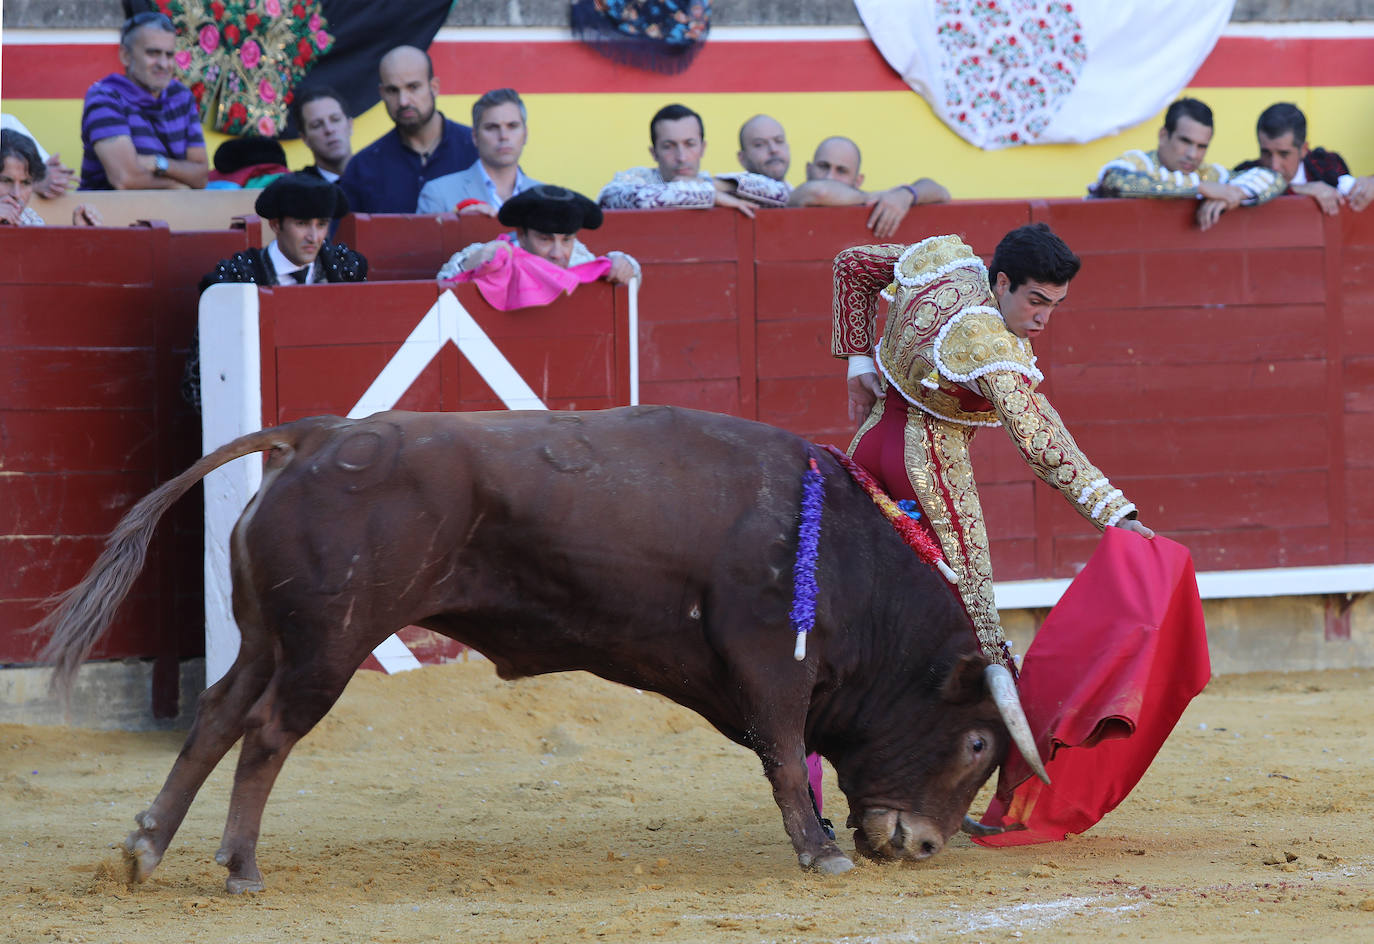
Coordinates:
x,y
928,260
976,342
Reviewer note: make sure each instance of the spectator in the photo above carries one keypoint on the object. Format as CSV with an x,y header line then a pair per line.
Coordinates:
x,y
21,172
300,209
833,179
387,175
499,131
1320,174
677,141
140,130
59,176
1176,169
763,148
326,130
543,257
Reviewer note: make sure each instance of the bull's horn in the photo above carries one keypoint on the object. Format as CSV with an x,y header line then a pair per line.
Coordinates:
x,y
1003,690
975,828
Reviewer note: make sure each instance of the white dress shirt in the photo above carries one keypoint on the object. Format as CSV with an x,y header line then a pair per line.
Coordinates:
x,y
285,267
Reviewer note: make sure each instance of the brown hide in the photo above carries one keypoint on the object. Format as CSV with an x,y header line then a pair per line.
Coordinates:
x,y
651,546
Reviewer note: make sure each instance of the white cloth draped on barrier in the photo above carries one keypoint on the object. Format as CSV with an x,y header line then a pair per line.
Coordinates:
x,y
1007,72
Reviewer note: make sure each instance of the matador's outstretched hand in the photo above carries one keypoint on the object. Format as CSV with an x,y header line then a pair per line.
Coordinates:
x,y
1131,524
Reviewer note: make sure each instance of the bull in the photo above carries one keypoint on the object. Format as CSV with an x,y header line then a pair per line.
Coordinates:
x,y
651,546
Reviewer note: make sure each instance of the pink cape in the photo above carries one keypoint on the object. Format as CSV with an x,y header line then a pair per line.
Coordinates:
x,y
519,279
1104,682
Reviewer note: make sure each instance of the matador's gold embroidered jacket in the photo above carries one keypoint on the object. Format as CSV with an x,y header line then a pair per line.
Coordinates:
x,y
952,358
1140,174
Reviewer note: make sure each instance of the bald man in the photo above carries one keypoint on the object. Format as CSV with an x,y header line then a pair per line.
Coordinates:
x,y
833,179
763,147
388,174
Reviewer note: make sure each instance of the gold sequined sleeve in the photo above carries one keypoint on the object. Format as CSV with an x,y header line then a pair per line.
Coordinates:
x,y
1260,185
861,274
1050,450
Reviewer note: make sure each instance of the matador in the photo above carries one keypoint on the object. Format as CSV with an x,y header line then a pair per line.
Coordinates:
x,y
956,355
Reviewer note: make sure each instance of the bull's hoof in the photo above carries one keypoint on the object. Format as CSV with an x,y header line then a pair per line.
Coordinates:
x,y
237,886
143,856
831,863
834,865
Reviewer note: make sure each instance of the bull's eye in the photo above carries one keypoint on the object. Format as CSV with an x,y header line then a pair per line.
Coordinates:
x,y
977,744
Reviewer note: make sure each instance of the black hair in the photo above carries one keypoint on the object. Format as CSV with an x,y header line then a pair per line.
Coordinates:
x,y
1281,118
1187,108
314,95
673,113
17,144
1033,252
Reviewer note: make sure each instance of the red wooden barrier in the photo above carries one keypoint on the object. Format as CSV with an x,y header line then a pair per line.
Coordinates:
x,y
1224,379
94,326
321,357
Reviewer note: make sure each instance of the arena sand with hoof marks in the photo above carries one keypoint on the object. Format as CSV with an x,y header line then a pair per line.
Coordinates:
x,y
447,805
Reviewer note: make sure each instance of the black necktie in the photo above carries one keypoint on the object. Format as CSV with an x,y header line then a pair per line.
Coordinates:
x,y
300,274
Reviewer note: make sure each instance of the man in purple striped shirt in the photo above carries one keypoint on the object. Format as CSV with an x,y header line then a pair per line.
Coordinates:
x,y
141,130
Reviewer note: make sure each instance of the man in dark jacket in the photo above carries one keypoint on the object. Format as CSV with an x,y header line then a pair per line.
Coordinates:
x,y
1316,172
299,208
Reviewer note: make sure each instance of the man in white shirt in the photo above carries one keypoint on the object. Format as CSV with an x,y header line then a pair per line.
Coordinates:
x,y
763,147
326,130
677,141
500,130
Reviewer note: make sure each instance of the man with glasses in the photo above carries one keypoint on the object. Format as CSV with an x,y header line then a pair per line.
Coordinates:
x,y
140,129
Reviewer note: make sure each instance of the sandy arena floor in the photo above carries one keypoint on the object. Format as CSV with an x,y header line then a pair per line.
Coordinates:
x,y
447,805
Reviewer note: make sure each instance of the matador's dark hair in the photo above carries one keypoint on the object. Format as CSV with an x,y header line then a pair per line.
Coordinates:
x,y
1033,252
1187,108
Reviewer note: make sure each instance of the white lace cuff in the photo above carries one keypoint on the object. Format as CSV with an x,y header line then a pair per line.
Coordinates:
x,y
860,364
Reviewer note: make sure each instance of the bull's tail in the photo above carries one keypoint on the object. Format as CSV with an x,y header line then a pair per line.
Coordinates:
x,y
79,616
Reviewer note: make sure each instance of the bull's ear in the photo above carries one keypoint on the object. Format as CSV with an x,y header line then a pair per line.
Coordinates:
x,y
965,680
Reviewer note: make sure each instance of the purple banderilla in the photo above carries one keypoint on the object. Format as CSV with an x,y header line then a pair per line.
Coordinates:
x,y
804,571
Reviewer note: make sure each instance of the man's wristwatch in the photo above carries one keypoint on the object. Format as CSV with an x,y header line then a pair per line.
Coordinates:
x,y
160,166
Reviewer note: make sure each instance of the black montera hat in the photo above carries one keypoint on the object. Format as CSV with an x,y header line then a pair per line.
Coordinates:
x,y
301,197
238,153
550,209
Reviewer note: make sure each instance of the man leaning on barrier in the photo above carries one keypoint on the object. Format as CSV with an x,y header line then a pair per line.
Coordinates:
x,y
542,258
1176,169
1281,133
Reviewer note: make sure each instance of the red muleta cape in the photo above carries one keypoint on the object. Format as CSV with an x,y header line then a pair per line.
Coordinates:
x,y
1103,683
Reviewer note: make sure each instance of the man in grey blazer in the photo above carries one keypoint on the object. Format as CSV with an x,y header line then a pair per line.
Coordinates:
x,y
499,131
